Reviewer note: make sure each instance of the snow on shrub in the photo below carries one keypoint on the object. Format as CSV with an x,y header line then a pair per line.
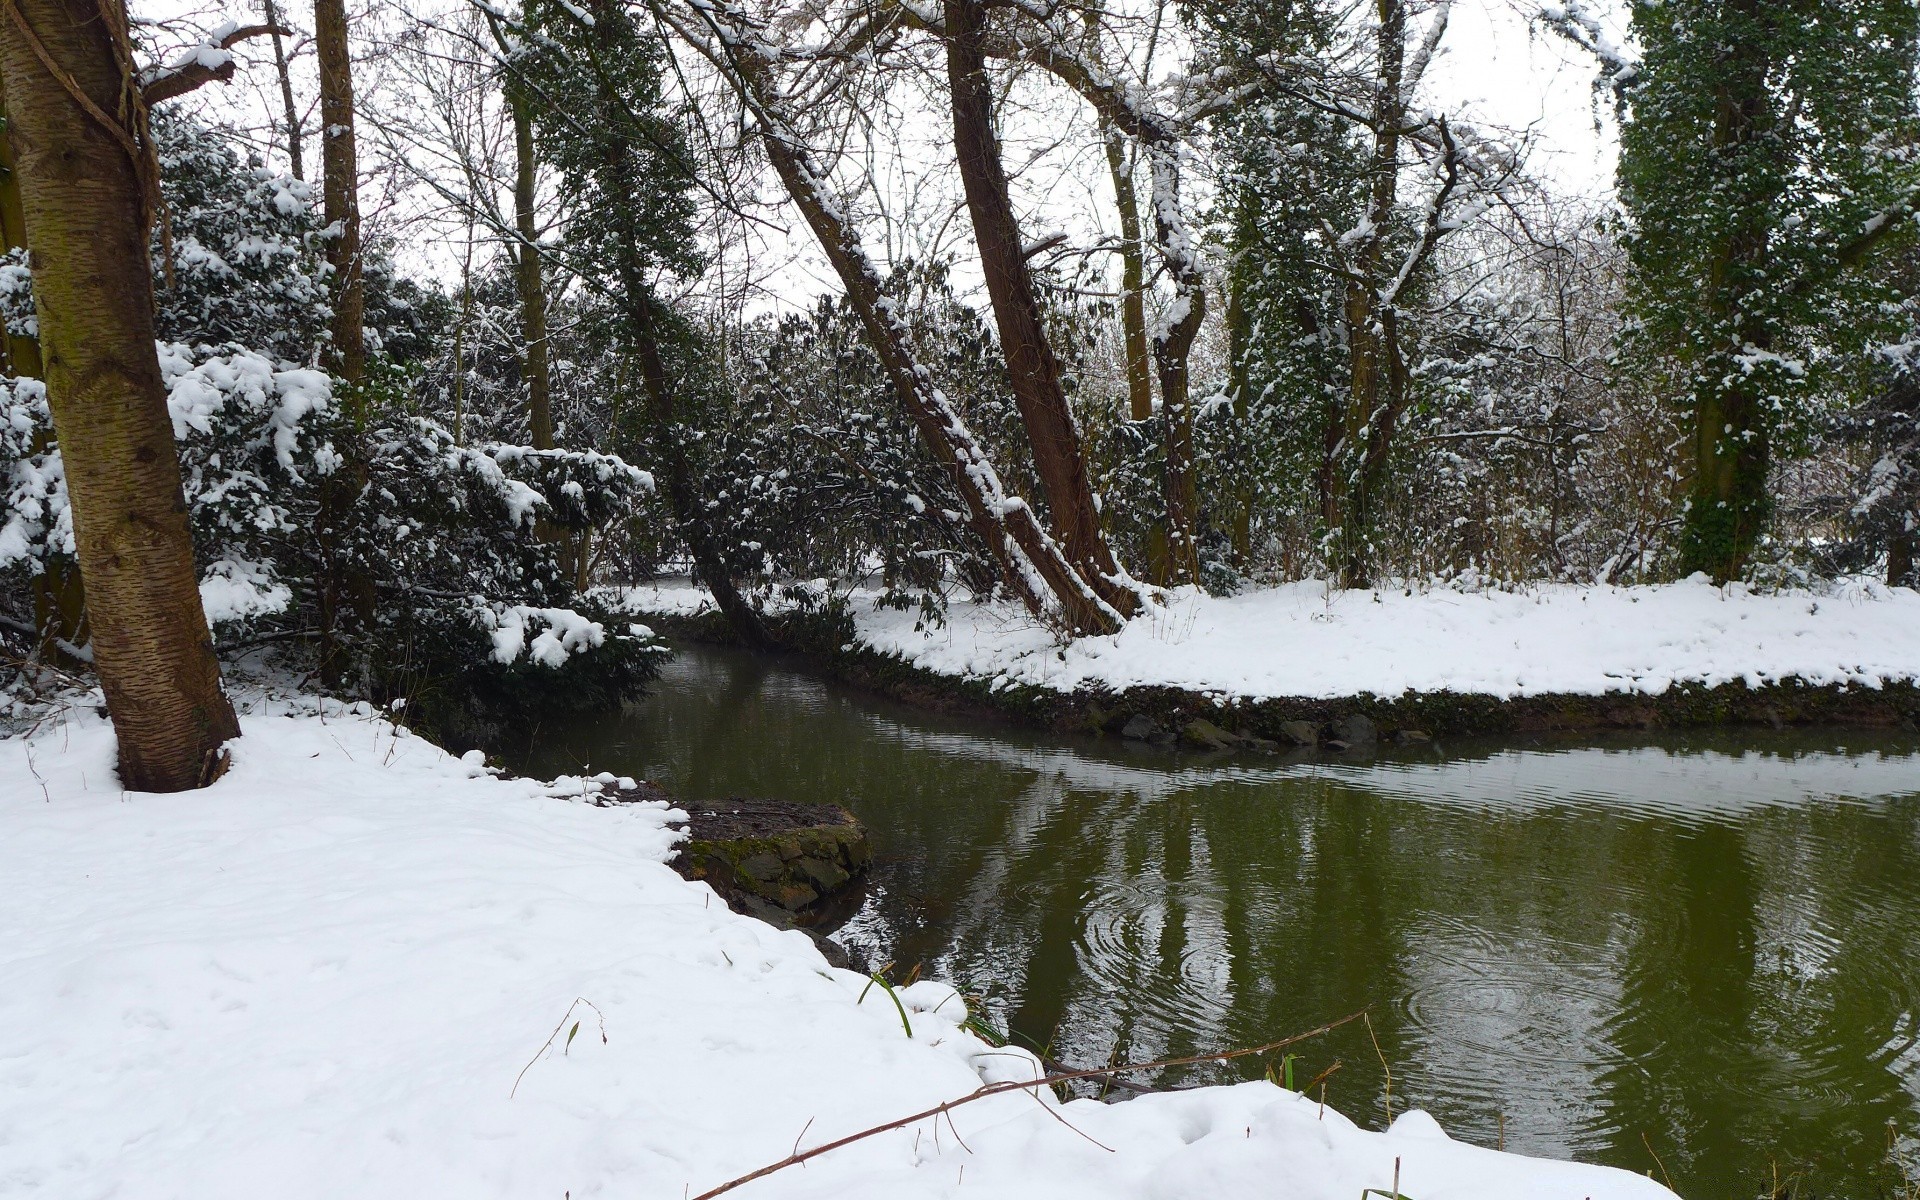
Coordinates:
x,y
566,633
34,519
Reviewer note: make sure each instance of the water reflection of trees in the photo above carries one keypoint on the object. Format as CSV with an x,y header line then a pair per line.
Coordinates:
x,y
1707,947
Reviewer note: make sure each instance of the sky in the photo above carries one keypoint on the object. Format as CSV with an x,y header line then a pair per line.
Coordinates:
x,y
1495,67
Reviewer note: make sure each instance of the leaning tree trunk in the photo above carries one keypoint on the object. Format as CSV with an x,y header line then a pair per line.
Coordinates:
x,y
1035,374
340,194
1030,562
86,201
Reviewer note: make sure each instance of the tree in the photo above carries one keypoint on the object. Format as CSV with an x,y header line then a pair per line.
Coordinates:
x,y
88,188
1058,456
1032,565
340,172
1760,165
619,150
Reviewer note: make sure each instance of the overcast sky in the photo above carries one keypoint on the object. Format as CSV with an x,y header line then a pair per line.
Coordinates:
x,y
1495,68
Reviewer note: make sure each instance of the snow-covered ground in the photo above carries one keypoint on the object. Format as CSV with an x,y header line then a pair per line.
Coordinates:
x,y
353,967
1305,640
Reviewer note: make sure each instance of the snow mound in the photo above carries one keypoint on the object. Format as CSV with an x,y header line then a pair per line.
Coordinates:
x,y
358,966
1304,640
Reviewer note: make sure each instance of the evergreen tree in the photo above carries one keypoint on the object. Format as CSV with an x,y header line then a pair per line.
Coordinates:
x,y
1765,154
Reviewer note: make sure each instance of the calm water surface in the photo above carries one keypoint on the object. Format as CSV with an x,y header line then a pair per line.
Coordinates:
x,y
1705,948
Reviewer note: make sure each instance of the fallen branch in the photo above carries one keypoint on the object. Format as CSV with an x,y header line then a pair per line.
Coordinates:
x,y
998,1089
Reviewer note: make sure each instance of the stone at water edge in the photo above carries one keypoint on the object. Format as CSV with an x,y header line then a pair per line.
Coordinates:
x,y
779,860
1140,728
1355,730
1300,733
1205,734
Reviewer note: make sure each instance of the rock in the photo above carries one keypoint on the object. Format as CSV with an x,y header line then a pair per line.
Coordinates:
x,y
1263,745
835,954
1205,734
761,873
1355,730
1413,737
1300,733
825,876
777,860
1140,728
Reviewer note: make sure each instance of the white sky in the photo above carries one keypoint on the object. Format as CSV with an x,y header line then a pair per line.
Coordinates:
x,y
1494,68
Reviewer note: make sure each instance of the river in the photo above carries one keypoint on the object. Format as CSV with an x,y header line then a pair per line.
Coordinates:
x,y
1692,955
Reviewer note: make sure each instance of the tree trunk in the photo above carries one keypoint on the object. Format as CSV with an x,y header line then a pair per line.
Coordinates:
x,y
1359,431
683,493
1728,502
86,223
22,350
340,193
1057,455
1171,346
1900,548
294,132
1239,338
59,599
528,276
1133,278
1030,563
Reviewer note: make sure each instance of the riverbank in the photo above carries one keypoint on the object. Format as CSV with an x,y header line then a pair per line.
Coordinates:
x,y
1294,666
359,966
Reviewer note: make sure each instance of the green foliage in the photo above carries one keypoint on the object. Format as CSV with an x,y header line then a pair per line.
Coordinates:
x,y
1763,143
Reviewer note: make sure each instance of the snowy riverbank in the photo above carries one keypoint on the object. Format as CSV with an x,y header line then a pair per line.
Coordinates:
x,y
1303,640
322,977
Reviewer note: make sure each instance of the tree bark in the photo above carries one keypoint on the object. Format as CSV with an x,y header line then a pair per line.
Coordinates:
x,y
1900,556
1133,278
1051,431
528,274
684,494
340,192
87,227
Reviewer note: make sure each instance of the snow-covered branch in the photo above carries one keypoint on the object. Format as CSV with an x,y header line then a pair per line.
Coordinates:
x,y
201,64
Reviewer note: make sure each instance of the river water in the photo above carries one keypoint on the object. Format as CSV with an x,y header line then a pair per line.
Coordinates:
x,y
1694,955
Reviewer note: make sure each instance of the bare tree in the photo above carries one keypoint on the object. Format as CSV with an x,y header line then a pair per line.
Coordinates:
x,y
1051,430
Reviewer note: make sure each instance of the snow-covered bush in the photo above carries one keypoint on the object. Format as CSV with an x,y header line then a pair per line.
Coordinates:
x,y
368,545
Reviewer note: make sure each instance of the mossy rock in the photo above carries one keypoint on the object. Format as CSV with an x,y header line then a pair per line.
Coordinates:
x,y
792,856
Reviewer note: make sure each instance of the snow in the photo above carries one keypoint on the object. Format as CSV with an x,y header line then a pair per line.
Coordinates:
x,y
512,628
1306,640
352,967
231,590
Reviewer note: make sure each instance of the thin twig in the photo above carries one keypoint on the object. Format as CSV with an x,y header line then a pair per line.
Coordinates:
x,y
1383,1066
998,1089
544,1046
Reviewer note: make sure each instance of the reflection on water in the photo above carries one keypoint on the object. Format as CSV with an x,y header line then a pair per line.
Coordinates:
x,y
1703,947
